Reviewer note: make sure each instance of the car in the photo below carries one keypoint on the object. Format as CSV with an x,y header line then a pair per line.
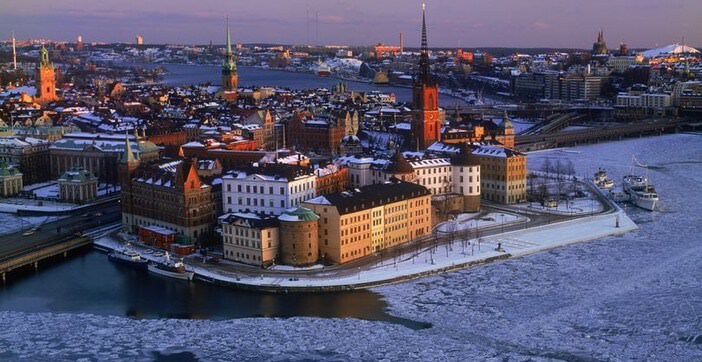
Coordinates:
x,y
28,233
98,214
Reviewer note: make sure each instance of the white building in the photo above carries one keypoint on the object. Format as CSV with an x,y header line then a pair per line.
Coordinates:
x,y
439,174
250,238
644,100
267,189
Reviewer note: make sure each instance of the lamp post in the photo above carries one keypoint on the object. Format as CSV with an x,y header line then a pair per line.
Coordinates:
x,y
502,228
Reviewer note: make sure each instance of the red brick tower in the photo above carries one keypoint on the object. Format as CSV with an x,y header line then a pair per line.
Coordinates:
x,y
426,128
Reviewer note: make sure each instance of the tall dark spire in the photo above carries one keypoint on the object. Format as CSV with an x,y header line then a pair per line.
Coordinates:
x,y
424,75
229,65
425,46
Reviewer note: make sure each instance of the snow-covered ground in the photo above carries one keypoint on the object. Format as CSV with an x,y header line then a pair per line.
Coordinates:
x,y
635,297
465,250
470,221
12,223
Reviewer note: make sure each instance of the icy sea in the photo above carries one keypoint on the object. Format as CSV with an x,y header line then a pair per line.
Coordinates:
x,y
636,297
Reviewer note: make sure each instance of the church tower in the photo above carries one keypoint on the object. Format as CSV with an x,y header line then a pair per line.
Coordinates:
x,y
230,78
45,79
128,163
426,128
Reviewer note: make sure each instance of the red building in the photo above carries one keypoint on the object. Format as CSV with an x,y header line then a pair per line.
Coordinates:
x,y
320,134
426,127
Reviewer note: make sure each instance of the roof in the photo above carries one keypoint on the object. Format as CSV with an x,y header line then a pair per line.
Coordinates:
x,y
371,196
77,174
669,50
298,214
271,172
399,165
249,219
465,156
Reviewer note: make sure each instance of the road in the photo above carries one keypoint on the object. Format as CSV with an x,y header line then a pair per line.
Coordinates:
x,y
61,230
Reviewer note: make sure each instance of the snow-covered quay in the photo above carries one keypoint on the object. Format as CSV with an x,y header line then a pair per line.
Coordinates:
x,y
422,261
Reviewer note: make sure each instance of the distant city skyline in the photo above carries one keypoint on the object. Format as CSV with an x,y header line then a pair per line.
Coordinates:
x,y
499,23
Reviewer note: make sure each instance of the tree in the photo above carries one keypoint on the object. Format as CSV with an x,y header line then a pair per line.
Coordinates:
x,y
546,167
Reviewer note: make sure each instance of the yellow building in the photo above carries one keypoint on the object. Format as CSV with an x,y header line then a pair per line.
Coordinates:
x,y
502,174
357,223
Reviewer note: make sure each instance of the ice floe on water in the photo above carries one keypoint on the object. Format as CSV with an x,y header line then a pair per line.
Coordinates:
x,y
636,297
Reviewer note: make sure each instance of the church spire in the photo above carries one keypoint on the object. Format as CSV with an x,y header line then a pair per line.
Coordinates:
x,y
424,76
425,47
44,60
229,63
127,155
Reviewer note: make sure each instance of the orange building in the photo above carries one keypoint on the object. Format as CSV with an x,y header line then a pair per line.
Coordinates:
x,y
45,80
357,223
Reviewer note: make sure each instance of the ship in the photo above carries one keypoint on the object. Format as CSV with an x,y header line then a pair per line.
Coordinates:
x,y
602,181
171,269
127,257
322,69
640,192
381,78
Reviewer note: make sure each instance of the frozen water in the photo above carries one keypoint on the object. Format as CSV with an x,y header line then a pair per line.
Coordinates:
x,y
636,297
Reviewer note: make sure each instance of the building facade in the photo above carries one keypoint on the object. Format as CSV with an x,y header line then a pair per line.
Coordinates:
x,y
45,78
77,186
354,224
250,238
267,188
29,155
170,195
10,180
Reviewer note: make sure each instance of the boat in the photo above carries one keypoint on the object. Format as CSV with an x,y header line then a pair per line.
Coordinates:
x,y
171,269
640,192
127,257
323,69
602,181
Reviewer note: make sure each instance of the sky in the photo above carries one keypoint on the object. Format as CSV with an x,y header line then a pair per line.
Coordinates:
x,y
451,23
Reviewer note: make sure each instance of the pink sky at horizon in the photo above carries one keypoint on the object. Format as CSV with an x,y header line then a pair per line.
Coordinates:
x,y
451,23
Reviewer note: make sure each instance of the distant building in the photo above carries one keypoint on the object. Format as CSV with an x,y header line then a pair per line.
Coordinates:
x,y
331,179
99,153
10,180
600,46
230,78
139,40
29,155
321,134
77,185
45,79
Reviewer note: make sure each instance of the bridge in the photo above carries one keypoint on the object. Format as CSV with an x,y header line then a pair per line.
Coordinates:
x,y
572,138
20,250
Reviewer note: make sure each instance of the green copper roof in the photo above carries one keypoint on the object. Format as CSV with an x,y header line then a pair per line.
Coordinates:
x,y
44,60
229,63
298,214
127,155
